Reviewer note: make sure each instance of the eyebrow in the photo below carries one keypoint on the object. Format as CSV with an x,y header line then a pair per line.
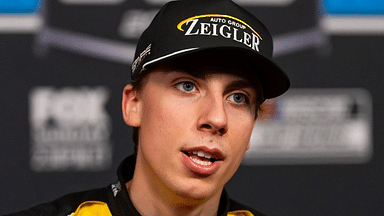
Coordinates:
x,y
238,84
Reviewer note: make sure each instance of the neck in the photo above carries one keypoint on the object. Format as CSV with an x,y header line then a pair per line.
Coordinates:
x,y
151,198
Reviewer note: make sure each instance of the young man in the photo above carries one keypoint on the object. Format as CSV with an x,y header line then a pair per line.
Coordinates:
x,y
201,71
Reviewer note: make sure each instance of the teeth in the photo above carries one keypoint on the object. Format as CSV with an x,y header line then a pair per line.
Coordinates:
x,y
202,154
205,163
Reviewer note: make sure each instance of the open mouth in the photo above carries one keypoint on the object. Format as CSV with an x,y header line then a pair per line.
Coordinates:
x,y
201,157
202,161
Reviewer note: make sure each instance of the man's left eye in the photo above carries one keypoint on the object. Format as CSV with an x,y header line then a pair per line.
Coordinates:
x,y
238,98
186,86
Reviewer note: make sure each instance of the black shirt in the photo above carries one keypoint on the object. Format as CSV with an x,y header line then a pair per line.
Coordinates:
x,y
115,198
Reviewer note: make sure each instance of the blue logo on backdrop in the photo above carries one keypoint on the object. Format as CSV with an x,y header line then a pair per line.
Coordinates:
x,y
351,17
18,6
357,7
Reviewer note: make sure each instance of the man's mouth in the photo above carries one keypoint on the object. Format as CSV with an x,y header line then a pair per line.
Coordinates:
x,y
202,161
204,156
201,157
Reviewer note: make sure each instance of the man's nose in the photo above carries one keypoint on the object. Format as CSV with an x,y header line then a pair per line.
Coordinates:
x,y
213,115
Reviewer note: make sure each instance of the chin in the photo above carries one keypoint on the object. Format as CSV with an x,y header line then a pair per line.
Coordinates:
x,y
198,189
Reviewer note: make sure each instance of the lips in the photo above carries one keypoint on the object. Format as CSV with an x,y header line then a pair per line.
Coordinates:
x,y
202,161
201,158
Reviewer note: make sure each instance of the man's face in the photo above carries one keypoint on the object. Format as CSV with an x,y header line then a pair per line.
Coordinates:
x,y
196,120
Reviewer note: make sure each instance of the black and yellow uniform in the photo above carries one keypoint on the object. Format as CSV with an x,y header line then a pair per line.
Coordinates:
x,y
114,200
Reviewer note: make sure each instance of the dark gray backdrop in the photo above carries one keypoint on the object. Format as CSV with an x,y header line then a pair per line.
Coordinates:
x,y
45,59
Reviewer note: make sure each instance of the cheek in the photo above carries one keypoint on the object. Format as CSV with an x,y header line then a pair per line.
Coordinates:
x,y
164,114
155,121
241,134
239,140
163,121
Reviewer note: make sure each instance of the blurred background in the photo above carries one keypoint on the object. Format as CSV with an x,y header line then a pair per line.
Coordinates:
x,y
317,150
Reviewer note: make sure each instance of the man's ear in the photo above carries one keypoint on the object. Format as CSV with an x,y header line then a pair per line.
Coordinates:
x,y
131,106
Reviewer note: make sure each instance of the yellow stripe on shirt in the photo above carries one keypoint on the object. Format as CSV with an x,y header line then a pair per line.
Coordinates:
x,y
92,208
240,213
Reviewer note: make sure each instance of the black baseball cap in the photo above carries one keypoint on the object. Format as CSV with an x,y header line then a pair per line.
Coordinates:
x,y
191,26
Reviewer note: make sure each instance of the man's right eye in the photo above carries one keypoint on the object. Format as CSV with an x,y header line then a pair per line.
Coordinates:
x,y
186,86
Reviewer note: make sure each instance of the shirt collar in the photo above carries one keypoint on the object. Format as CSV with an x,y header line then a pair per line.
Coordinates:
x,y
124,203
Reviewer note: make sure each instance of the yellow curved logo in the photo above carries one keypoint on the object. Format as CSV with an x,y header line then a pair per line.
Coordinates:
x,y
216,15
